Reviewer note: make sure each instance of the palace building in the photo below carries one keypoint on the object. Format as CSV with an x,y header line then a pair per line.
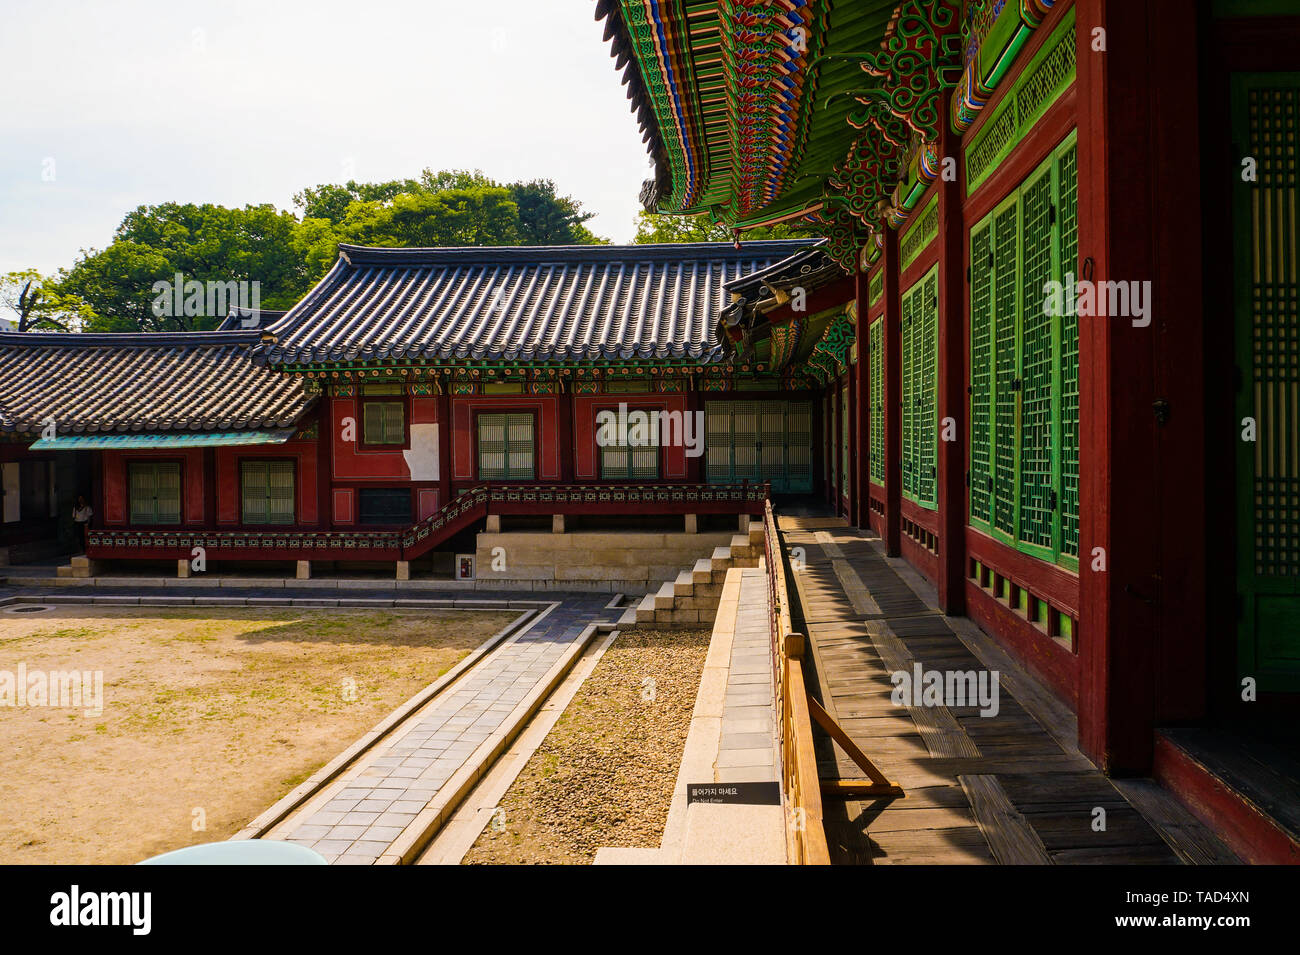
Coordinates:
x,y
1112,492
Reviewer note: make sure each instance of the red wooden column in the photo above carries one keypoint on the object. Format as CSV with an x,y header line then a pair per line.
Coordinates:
x,y
444,443
860,439
695,466
565,423
951,485
325,456
1141,638
893,392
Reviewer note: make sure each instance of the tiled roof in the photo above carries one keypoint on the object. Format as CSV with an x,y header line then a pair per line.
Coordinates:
x,y
191,381
810,268
530,303
242,319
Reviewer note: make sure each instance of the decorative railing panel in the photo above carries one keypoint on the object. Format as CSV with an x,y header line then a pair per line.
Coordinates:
x,y
419,538
805,832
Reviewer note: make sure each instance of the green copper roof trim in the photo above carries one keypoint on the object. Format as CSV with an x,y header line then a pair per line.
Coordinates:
x,y
1045,78
1041,83
193,439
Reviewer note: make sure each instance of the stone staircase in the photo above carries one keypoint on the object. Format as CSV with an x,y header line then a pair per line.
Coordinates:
x,y
692,599
80,566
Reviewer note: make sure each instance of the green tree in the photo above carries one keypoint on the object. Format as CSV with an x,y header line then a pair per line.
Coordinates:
x,y
36,303
662,227
479,215
201,243
331,201
543,217
549,219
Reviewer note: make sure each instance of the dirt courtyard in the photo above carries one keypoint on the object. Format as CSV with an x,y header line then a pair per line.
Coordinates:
x,y
209,715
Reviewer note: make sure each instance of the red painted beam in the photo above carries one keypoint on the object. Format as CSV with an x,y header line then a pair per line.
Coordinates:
x,y
1052,662
1056,585
1248,831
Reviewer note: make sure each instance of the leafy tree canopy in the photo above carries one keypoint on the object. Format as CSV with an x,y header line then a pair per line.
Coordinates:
x,y
30,301
542,217
660,227
200,243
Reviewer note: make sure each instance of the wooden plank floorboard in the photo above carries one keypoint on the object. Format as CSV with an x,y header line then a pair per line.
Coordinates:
x,y
1011,839
981,788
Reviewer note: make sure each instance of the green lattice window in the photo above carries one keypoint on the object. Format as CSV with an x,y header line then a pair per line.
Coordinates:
x,y
634,456
154,489
506,447
920,331
907,446
1068,217
1024,366
759,441
877,369
266,491
981,375
383,422
622,462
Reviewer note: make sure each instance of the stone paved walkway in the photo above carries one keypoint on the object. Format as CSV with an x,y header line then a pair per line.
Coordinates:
x,y
747,744
357,817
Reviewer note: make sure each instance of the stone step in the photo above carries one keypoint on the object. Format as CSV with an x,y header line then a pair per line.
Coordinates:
x,y
664,599
702,572
721,559
700,602
745,561
684,585
757,536
629,619
645,610
740,546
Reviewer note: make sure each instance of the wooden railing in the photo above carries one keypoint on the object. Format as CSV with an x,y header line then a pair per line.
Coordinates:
x,y
805,834
287,543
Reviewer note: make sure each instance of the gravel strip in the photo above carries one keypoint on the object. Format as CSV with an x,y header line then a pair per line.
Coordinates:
x,y
604,775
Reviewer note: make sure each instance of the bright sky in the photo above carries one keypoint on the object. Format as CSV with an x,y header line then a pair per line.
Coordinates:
x,y
109,105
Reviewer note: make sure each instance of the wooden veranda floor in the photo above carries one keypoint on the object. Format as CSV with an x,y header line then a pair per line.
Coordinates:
x,y
1011,788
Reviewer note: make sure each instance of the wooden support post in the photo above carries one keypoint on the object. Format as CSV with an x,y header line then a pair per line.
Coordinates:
x,y
860,442
445,429
1142,634
951,384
